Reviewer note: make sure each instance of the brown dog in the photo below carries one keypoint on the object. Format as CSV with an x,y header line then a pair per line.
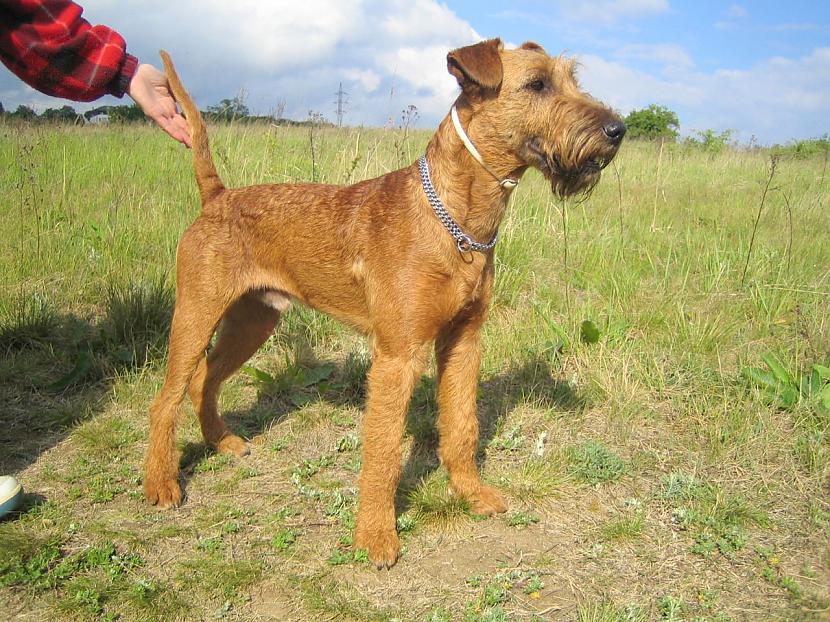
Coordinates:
x,y
377,256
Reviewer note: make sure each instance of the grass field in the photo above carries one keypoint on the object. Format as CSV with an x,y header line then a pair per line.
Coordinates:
x,y
649,476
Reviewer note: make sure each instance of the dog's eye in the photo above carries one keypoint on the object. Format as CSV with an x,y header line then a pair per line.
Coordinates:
x,y
536,85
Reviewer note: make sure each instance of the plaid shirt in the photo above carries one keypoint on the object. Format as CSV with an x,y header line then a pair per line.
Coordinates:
x,y
49,46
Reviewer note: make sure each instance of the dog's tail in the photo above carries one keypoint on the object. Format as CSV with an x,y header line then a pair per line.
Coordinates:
x,y
206,176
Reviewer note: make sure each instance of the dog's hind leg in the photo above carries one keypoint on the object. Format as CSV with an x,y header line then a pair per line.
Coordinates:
x,y
245,326
201,300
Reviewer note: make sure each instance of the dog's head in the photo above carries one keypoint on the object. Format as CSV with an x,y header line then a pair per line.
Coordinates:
x,y
527,106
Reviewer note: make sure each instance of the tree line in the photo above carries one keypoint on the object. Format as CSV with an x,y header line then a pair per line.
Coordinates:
x,y
654,122
226,110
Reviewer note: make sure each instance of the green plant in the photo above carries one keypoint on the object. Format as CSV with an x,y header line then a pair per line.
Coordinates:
x,y
804,149
593,463
340,556
522,519
711,141
623,527
300,382
588,332
717,519
786,389
609,612
671,609
284,539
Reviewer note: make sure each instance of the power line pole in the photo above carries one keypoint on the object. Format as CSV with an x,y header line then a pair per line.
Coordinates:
x,y
341,103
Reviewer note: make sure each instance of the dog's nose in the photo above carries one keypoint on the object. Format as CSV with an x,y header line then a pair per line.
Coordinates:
x,y
614,130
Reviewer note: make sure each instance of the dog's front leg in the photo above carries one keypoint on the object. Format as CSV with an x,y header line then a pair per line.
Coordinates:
x,y
457,352
391,380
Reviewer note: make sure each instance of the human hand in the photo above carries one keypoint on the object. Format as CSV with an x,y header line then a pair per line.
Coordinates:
x,y
149,89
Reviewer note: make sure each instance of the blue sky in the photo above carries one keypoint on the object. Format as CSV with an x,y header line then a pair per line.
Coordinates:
x,y
761,69
716,35
730,48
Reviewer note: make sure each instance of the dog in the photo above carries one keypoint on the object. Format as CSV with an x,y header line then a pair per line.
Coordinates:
x,y
406,259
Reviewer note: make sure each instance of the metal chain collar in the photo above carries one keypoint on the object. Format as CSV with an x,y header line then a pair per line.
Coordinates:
x,y
463,241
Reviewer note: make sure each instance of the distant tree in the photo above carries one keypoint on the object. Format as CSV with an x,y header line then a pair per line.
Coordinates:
x,y
125,114
805,148
710,140
653,122
94,112
64,114
229,109
2,110
24,113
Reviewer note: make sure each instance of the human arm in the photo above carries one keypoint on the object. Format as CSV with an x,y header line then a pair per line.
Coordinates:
x,y
48,45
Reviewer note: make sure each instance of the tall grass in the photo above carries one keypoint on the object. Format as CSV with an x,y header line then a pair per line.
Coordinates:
x,y
656,260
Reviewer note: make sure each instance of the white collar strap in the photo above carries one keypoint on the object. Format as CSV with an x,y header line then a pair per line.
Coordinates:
x,y
508,183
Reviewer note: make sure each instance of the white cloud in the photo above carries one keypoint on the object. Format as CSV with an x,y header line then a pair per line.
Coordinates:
x,y
296,52
368,80
669,56
775,100
390,54
736,11
793,27
734,14
610,11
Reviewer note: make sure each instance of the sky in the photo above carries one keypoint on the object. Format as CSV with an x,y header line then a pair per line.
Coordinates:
x,y
760,69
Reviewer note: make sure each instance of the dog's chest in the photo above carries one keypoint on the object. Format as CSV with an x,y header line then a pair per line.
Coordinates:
x,y
449,289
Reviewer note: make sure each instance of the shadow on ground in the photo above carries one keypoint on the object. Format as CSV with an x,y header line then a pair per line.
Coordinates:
x,y
57,368
532,380
58,373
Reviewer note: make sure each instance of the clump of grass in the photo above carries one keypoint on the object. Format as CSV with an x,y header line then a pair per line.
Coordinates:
x,y
27,322
219,577
623,528
27,561
537,478
495,592
84,582
353,374
593,463
337,600
106,436
431,503
609,612
137,320
717,518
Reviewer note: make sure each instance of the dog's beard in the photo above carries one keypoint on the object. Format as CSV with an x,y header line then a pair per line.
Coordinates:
x,y
568,176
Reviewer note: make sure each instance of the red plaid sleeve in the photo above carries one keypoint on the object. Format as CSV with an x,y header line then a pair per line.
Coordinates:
x,y
48,45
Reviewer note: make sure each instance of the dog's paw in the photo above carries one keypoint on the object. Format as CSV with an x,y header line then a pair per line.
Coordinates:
x,y
382,545
165,493
232,444
487,501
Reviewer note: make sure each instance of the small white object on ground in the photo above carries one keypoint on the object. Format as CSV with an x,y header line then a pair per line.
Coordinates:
x,y
11,491
539,450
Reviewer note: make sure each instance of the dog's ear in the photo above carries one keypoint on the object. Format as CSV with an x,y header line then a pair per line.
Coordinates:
x,y
477,65
533,46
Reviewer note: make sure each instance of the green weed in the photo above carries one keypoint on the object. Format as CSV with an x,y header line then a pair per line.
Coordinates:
x,y
717,519
593,463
